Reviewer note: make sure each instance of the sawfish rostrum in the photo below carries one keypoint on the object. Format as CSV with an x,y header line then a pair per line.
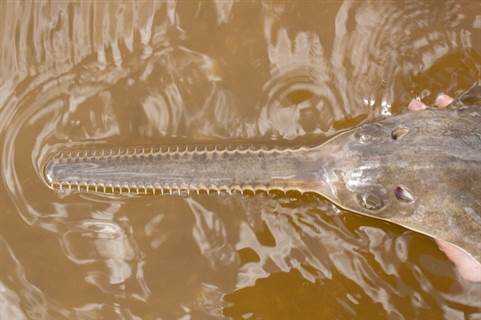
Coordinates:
x,y
421,170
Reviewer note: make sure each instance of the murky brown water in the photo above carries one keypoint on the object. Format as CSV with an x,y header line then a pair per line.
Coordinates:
x,y
142,73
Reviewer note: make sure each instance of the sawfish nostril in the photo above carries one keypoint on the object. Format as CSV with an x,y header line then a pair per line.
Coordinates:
x,y
403,194
371,201
399,132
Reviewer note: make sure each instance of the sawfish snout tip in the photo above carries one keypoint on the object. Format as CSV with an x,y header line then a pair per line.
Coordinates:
x,y
49,172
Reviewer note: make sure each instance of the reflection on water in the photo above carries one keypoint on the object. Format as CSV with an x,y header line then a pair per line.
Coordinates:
x,y
136,73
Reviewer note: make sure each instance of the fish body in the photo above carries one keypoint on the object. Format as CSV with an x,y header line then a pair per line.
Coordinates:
x,y
420,170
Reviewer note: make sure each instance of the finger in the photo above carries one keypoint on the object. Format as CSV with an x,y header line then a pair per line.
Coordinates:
x,y
468,267
443,100
416,105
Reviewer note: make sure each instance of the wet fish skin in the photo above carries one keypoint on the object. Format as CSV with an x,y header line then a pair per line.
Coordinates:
x,y
420,170
427,181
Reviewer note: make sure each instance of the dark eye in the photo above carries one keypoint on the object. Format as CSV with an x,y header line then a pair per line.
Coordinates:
x,y
371,201
403,194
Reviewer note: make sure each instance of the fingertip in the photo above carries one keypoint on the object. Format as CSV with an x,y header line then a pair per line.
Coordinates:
x,y
468,267
443,100
416,105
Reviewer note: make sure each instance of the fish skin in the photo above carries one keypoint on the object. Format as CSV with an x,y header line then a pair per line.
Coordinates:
x,y
421,170
437,164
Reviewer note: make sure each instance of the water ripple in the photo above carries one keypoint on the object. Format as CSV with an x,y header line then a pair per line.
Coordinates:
x,y
127,73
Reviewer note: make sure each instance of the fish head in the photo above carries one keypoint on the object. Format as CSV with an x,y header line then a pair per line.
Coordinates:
x,y
372,169
420,170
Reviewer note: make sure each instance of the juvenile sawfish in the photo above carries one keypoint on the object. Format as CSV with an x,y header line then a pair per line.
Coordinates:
x,y
420,170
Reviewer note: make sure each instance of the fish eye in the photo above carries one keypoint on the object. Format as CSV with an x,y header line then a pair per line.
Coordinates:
x,y
403,194
371,200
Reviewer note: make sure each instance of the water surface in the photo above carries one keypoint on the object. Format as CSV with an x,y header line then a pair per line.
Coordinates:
x,y
111,74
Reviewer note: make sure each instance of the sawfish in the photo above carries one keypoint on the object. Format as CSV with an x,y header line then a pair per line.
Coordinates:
x,y
420,170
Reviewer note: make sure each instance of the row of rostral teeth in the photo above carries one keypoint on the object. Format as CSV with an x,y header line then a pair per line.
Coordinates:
x,y
162,190
166,150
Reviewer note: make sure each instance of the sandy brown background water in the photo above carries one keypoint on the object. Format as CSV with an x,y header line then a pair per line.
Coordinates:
x,y
284,73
